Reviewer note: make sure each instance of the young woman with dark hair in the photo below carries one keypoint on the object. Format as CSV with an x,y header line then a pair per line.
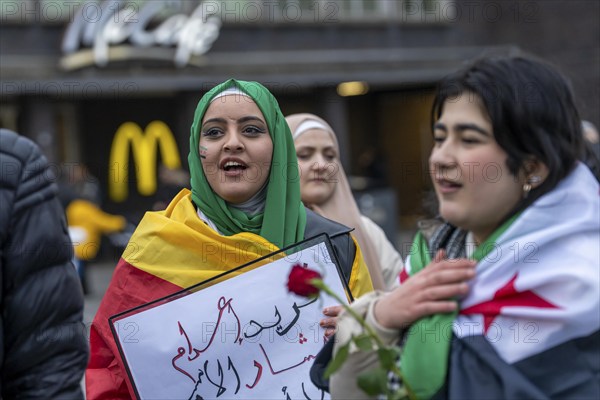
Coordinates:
x,y
501,299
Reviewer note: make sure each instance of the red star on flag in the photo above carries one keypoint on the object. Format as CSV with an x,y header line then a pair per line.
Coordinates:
x,y
403,275
506,296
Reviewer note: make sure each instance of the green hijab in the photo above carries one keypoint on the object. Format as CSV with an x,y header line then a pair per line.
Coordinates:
x,y
284,218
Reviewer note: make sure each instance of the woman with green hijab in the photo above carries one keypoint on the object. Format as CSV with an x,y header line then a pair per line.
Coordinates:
x,y
244,203
283,218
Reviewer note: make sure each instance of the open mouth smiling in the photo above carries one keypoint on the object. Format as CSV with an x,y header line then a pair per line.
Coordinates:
x,y
233,167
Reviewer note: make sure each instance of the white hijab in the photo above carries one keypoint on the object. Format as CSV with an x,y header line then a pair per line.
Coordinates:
x,y
341,206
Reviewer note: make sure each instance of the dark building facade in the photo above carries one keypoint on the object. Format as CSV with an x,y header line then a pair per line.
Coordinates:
x,y
73,73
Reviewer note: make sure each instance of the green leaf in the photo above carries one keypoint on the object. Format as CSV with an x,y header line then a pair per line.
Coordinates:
x,y
387,357
363,342
338,360
373,382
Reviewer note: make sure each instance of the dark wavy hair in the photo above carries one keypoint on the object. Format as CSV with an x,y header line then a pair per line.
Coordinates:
x,y
532,110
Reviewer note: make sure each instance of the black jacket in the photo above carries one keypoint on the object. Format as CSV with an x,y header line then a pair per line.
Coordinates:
x,y
43,344
340,238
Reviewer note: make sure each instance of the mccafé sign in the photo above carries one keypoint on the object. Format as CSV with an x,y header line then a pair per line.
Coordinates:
x,y
144,145
99,31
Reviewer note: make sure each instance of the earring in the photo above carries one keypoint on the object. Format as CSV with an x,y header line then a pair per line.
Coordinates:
x,y
527,186
526,189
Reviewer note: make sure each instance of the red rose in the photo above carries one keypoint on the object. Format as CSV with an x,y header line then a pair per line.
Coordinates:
x,y
299,281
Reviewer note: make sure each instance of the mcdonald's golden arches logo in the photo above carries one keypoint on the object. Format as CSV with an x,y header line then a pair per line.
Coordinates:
x,y
144,145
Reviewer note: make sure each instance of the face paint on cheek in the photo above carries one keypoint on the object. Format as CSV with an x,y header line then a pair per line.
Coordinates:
x,y
203,152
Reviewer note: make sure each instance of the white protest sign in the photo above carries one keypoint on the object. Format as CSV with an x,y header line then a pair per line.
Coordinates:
x,y
244,338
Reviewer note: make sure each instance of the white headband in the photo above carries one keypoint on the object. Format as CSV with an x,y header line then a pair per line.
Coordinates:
x,y
229,92
307,126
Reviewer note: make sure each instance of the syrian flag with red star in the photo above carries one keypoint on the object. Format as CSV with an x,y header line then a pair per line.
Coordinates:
x,y
529,327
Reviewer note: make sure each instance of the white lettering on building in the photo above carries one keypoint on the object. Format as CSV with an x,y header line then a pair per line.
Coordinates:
x,y
117,21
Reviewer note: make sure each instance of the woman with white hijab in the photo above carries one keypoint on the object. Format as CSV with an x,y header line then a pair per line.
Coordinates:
x,y
324,189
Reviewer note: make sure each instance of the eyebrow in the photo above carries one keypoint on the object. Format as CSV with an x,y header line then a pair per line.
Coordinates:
x,y
313,147
241,120
462,127
250,118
